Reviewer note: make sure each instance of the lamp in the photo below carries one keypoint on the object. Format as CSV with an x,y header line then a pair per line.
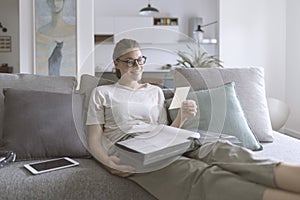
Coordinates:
x,y
3,28
148,11
199,31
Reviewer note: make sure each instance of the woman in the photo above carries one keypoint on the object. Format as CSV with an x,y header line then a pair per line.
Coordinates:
x,y
215,171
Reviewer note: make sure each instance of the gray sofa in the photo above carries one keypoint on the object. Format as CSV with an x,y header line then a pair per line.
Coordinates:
x,y
89,180
86,181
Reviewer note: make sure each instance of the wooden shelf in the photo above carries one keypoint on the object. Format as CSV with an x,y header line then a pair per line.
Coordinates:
x,y
6,69
103,38
165,21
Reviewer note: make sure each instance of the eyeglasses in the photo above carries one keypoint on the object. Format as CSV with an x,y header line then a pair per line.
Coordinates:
x,y
132,62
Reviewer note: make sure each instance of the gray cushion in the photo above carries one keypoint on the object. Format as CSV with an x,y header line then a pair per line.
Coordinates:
x,y
219,111
41,124
87,84
59,84
250,89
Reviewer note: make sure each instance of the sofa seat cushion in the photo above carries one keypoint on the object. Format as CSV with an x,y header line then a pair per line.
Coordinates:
x,y
60,84
283,148
87,181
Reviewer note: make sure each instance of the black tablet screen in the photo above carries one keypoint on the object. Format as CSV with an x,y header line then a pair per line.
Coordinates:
x,y
51,164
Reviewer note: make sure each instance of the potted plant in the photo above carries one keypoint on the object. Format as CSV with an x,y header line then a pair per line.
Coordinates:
x,y
197,58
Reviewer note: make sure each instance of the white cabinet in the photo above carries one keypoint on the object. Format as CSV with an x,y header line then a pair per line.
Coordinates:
x,y
165,34
133,28
129,23
142,29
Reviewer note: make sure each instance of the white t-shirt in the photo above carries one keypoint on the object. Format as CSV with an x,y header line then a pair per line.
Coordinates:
x,y
125,110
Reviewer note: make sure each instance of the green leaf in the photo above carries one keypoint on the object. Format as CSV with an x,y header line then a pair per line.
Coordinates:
x,y
196,57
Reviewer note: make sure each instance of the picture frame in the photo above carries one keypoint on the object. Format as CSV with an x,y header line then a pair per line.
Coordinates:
x,y
55,37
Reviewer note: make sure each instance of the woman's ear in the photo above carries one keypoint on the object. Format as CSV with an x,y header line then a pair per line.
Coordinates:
x,y
116,63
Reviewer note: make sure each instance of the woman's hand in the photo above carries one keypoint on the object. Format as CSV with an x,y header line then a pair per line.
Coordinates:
x,y
112,165
188,109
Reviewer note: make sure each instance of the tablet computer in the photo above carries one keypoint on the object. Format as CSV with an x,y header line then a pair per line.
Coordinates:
x,y
50,165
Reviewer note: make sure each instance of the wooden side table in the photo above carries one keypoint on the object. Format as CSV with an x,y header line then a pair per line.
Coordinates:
x,y
6,69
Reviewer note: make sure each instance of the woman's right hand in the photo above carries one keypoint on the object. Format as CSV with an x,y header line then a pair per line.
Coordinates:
x,y
188,110
112,165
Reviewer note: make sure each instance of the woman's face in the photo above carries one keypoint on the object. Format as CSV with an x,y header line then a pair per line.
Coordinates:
x,y
56,5
133,73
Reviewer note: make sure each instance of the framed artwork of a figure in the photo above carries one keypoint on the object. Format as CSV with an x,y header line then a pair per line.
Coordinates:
x,y
55,37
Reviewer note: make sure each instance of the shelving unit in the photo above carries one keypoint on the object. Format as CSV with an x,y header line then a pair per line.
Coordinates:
x,y
165,21
108,39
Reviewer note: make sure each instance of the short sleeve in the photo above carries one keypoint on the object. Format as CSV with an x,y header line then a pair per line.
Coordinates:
x,y
95,114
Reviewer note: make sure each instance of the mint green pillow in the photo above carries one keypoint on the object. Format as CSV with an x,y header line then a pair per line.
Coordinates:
x,y
219,110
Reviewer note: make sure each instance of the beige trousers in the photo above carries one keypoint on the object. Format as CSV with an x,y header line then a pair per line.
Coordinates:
x,y
216,171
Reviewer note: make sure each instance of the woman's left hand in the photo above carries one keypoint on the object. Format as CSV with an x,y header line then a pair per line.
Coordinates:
x,y
188,109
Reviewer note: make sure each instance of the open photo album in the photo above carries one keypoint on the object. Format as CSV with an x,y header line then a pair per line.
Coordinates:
x,y
164,142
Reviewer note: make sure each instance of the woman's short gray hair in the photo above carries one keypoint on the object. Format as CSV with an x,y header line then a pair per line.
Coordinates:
x,y
124,46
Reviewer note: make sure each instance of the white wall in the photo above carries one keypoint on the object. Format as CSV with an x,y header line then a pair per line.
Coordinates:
x,y
176,8
183,10
85,41
293,65
9,18
265,33
85,36
252,33
26,36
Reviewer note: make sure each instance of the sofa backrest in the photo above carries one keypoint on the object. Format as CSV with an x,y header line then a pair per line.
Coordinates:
x,y
61,84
